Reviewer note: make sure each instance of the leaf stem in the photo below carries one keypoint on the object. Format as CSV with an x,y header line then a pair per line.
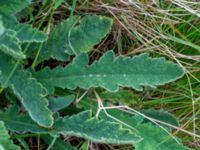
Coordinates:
x,y
52,143
37,56
38,142
73,8
11,74
4,85
41,44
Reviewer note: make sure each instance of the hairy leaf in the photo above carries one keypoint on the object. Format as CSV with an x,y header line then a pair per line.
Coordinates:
x,y
32,95
19,122
13,6
30,92
55,46
100,131
110,73
154,137
86,33
58,103
80,125
5,142
69,37
26,33
10,44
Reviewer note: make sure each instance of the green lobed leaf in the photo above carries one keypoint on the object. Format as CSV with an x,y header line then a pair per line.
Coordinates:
x,y
154,137
8,20
80,125
103,131
100,131
82,35
14,33
19,122
87,32
13,6
10,45
26,33
32,95
30,92
58,103
5,142
110,73
55,46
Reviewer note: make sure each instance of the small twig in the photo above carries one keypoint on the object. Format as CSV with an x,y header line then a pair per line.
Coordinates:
x,y
52,143
81,97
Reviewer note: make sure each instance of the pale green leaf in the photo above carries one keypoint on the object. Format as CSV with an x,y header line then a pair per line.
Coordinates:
x,y
58,103
25,33
5,142
8,20
19,122
13,6
10,44
55,46
80,125
30,92
110,73
86,33
74,36
156,138
32,95
100,131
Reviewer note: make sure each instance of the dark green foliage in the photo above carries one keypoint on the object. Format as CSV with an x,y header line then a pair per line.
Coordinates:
x,y
43,96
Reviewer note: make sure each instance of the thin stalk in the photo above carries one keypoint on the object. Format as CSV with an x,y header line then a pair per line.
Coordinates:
x,y
73,8
41,44
11,74
52,143
38,142
36,57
